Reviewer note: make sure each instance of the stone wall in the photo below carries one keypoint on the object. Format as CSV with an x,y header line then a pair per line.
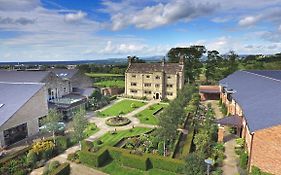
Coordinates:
x,y
151,84
29,113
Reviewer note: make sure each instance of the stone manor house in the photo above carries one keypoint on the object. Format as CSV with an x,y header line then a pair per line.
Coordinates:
x,y
154,80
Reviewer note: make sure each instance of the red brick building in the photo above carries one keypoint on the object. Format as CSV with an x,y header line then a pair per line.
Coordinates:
x,y
255,98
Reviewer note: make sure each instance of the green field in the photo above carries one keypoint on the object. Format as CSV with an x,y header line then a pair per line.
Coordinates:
x,y
111,83
114,168
146,116
112,139
124,107
103,75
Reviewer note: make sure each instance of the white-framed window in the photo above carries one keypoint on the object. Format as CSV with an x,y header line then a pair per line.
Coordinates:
x,y
133,84
170,93
147,84
134,91
147,92
157,77
169,85
134,76
157,85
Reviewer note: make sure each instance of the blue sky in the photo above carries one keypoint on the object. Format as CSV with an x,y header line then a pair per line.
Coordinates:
x,y
91,29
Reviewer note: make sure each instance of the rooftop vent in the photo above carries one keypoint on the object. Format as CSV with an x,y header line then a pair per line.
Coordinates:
x,y
1,105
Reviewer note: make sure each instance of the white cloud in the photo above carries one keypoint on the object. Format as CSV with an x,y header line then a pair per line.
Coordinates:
x,y
74,17
249,20
156,15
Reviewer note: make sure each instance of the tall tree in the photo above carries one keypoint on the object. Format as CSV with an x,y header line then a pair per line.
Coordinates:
x,y
214,66
80,123
194,164
231,63
51,122
192,61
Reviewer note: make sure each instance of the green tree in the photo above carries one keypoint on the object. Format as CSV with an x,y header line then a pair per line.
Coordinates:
x,y
194,164
214,66
80,123
51,122
192,60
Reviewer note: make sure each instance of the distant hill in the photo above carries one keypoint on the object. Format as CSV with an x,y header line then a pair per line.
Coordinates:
x,y
75,62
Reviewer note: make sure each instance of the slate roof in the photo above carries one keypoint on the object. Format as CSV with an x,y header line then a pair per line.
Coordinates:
x,y
231,120
259,97
22,76
275,74
169,68
13,96
65,73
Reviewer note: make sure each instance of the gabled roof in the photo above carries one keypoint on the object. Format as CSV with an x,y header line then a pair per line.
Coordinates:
x,y
65,73
275,74
13,96
22,76
169,68
259,97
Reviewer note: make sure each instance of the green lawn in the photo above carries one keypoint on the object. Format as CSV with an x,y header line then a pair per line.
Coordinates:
x,y
103,75
124,106
146,116
112,139
111,83
114,168
91,129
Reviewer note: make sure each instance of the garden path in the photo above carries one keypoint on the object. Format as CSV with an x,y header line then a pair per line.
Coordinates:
x,y
100,122
230,162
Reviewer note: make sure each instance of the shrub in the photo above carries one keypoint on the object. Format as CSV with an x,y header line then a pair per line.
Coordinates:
x,y
47,154
42,146
133,105
243,160
99,142
134,161
62,143
31,158
218,171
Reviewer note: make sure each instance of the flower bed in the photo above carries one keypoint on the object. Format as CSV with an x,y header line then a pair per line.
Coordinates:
x,y
117,121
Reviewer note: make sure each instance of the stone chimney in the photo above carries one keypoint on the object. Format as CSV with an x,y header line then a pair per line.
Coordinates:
x,y
163,62
181,61
130,60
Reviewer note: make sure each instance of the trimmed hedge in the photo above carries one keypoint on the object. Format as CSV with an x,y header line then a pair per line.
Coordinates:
x,y
187,144
63,169
134,161
168,164
125,158
96,159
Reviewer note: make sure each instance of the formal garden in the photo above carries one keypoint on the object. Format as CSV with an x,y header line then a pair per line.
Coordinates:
x,y
121,108
145,150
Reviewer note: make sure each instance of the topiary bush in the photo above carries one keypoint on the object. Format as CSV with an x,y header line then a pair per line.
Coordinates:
x,y
168,164
63,169
96,159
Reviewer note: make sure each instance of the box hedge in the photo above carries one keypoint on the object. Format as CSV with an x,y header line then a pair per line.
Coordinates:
x,y
135,161
165,163
96,159
63,169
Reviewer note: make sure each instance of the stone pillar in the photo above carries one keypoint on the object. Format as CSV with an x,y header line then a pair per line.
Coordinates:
x,y
220,133
2,142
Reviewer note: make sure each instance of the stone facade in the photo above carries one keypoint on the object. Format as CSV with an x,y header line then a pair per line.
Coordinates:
x,y
56,87
29,113
154,80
